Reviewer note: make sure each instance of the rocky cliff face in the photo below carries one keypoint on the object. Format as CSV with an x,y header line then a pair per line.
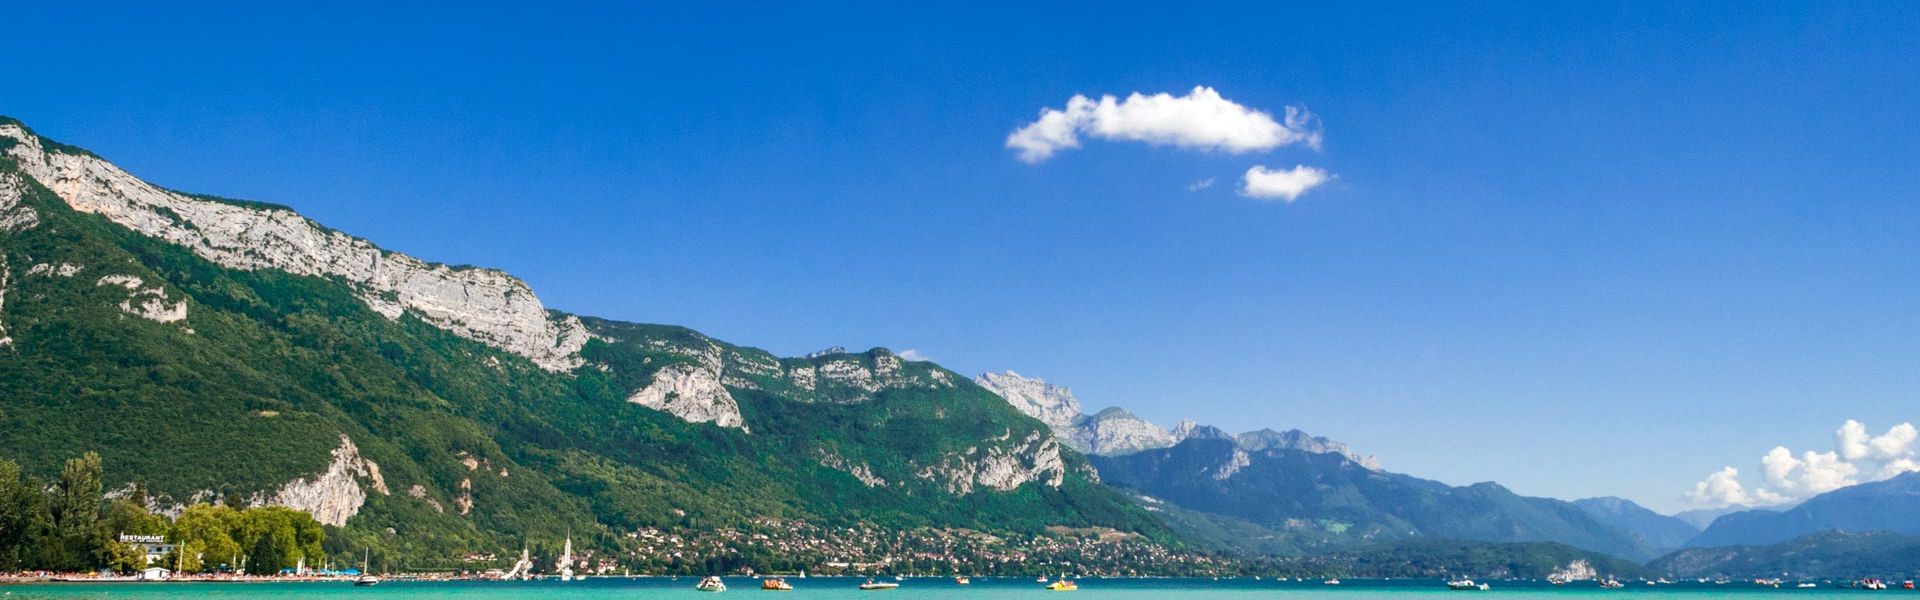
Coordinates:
x,y
1051,404
1115,431
334,495
487,306
692,393
5,276
1294,439
1035,459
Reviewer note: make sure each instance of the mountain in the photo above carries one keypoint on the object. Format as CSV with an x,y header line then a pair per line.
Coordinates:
x,y
1115,431
1702,517
1657,531
1315,502
1890,505
216,349
1825,555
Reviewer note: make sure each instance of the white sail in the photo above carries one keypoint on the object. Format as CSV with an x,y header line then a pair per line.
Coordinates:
x,y
566,560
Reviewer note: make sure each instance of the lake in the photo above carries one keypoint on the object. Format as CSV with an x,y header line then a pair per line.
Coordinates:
x,y
927,588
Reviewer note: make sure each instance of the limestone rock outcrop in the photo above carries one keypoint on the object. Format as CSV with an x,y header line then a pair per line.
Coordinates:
x,y
333,495
483,305
691,392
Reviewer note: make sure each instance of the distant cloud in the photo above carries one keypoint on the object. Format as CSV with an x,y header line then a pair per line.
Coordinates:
x,y
914,354
1858,456
1200,185
1286,185
1201,120
1722,488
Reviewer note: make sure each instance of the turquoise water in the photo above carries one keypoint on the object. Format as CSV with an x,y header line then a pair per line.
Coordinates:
x,y
822,588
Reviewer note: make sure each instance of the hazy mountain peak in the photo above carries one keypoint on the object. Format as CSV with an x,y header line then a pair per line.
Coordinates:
x,y
1051,404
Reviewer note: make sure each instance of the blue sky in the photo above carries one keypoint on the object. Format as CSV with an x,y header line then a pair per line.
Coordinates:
x,y
1585,250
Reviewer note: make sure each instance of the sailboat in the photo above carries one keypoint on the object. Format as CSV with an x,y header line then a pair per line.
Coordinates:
x,y
566,559
523,568
366,572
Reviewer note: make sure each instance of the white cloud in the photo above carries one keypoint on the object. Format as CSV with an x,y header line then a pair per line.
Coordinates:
x,y
1722,488
1200,185
1200,120
1788,478
1812,474
1897,442
1287,185
1850,440
914,354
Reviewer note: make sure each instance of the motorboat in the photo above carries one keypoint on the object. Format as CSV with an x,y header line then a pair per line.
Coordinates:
x,y
1466,585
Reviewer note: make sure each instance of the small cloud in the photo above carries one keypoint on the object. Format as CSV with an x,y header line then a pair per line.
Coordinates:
x,y
1722,488
1200,185
914,355
1285,185
1201,120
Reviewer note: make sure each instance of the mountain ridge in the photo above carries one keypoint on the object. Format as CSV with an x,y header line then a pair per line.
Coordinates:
x,y
1887,505
1300,501
429,409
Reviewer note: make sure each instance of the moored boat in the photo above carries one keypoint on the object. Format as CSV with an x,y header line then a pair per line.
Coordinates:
x,y
775,584
962,580
711,584
1466,585
874,586
1334,581
1611,584
1063,585
366,577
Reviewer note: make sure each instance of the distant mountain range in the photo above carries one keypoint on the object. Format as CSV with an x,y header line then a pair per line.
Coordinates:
x,y
1115,431
1702,517
1314,502
1656,531
1290,492
1842,555
1891,505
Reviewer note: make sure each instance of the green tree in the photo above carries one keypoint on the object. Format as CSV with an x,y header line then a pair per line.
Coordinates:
x,y
23,514
205,534
74,506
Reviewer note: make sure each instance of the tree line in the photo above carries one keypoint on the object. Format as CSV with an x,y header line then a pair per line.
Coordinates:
x,y
68,524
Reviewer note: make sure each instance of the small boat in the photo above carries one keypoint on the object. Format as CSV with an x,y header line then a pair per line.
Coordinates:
x,y
1908,585
1063,585
711,584
962,580
1807,585
1466,585
775,584
1611,584
1334,581
875,586
1873,583
1040,579
366,579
